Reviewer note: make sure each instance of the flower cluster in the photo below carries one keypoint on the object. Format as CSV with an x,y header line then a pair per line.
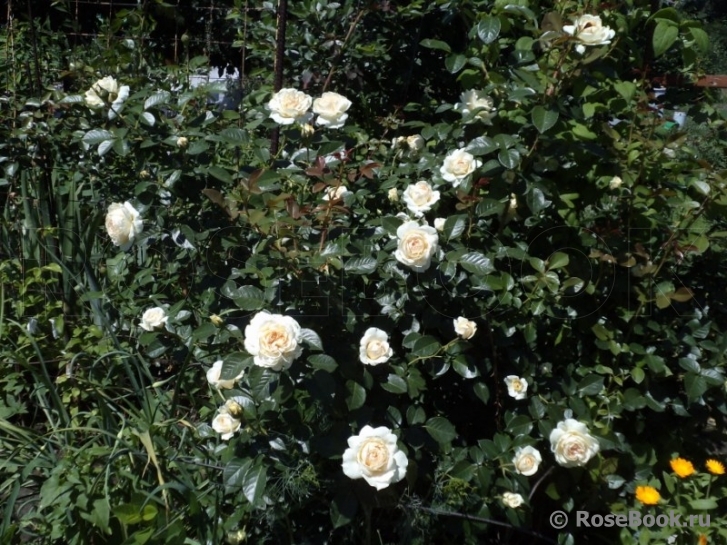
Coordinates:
x,y
107,92
289,106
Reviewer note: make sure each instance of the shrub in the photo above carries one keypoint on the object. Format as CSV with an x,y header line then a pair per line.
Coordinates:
x,y
400,354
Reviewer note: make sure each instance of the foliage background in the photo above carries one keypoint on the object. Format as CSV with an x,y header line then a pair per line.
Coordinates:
x,y
105,434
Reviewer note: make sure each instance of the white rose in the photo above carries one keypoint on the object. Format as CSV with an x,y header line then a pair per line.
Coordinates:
x,y
182,142
393,195
331,109
101,93
374,347
415,143
153,318
417,245
398,142
475,105
273,339
516,386
615,182
464,327
334,194
118,102
290,105
307,130
571,443
589,30
512,500
123,224
439,224
213,377
526,460
225,424
420,198
374,456
458,165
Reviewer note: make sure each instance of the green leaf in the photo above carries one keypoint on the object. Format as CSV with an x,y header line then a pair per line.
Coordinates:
x,y
695,386
253,483
97,136
626,89
425,346
234,364
590,385
441,429
476,263
105,146
323,361
583,133
638,375
454,226
436,44
481,145
234,474
162,97
701,39
99,515
357,395
488,29
558,260
220,173
394,384
536,200
519,425
343,508
543,119
665,34
148,118
509,158
311,338
361,265
705,504
455,63
234,135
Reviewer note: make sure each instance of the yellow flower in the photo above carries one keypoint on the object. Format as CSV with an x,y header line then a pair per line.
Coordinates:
x,y
648,495
702,539
715,467
683,468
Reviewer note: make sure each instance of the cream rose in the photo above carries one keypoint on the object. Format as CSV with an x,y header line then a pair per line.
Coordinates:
x,y
512,500
475,105
458,165
182,142
374,347
331,109
274,340
417,245
334,194
107,91
288,106
225,424
571,443
615,183
103,92
589,31
439,224
153,318
420,197
123,224
213,377
393,195
415,143
527,460
464,328
516,387
374,456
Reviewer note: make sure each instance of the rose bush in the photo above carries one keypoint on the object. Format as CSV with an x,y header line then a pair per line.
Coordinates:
x,y
575,229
